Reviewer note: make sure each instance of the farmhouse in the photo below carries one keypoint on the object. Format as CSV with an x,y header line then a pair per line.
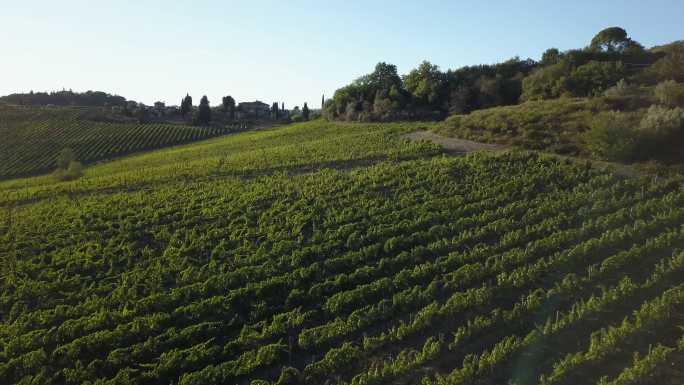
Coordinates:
x,y
256,109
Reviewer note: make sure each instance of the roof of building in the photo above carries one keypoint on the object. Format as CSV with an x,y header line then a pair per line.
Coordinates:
x,y
254,103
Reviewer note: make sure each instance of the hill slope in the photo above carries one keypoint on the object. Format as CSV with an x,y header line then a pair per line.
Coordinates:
x,y
340,253
34,136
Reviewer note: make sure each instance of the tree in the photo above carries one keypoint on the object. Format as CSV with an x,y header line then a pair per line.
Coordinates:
x,y
66,156
550,56
489,91
594,77
614,40
545,82
382,107
68,167
305,112
228,105
204,113
384,77
186,105
427,85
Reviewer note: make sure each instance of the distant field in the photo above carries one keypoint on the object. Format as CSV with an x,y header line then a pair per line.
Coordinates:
x,y
33,136
327,253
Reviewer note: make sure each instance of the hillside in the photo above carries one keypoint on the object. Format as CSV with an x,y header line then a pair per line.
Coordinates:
x,y
612,99
551,125
34,136
626,124
341,253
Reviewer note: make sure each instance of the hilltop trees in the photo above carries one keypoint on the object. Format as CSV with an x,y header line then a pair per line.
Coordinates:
x,y
204,111
358,100
614,40
550,56
186,105
66,98
428,93
427,84
585,72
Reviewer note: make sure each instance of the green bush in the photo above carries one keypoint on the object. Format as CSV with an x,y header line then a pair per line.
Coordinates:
x,y
661,132
621,90
662,122
544,83
73,171
669,93
612,136
626,97
66,156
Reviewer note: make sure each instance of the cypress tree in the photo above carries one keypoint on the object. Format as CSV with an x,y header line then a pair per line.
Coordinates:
x,y
186,105
305,112
204,113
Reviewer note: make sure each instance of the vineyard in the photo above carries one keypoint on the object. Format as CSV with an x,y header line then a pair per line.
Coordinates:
x,y
331,253
33,137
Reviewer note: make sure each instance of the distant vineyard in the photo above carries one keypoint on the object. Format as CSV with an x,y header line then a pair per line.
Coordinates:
x,y
500,269
32,138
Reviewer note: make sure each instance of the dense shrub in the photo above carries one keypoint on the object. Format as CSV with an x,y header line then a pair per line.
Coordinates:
x,y
625,96
662,121
669,93
612,136
65,157
660,133
73,171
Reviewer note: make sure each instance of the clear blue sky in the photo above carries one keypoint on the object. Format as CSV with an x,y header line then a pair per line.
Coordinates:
x,y
291,51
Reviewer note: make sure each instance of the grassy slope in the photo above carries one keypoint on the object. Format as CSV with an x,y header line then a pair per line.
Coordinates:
x,y
554,125
33,136
341,251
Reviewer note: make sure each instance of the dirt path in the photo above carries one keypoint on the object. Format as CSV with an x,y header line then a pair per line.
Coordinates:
x,y
459,147
453,145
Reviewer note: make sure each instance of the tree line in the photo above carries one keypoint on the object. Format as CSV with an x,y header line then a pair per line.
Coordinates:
x,y
229,109
427,92
65,98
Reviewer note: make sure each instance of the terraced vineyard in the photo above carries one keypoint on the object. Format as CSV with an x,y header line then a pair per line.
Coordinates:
x,y
34,136
335,253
